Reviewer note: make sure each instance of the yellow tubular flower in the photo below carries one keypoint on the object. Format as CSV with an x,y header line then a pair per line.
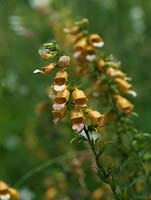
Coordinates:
x,y
96,40
115,73
60,113
62,97
46,69
123,85
123,104
3,188
14,194
94,116
81,45
61,77
76,116
8,193
90,50
79,97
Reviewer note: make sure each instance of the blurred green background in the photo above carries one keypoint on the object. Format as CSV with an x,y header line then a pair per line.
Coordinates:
x,y
27,138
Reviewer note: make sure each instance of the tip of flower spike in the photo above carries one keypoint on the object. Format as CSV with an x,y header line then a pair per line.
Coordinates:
x,y
37,71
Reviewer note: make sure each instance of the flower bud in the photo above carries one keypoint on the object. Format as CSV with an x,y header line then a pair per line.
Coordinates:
x,y
94,116
123,85
64,61
74,30
96,40
46,70
49,68
123,104
76,116
61,77
79,97
62,97
14,194
45,54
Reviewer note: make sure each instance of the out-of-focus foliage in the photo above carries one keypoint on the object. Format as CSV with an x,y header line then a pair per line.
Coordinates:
x,y
28,138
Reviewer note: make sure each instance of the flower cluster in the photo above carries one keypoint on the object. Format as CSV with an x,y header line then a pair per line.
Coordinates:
x,y
85,46
60,93
7,193
108,75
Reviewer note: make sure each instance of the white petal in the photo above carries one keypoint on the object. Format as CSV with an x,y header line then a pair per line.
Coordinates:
x,y
98,44
59,88
133,93
90,57
51,96
37,71
83,133
58,106
56,120
77,54
78,127
128,78
66,30
5,197
94,136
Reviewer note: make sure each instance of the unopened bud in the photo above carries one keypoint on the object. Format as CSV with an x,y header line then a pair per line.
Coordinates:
x,y
45,54
64,61
74,30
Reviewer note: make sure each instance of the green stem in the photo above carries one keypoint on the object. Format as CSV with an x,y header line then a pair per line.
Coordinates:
x,y
41,167
103,175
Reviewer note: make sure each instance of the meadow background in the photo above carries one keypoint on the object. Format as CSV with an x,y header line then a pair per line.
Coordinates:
x,y
28,138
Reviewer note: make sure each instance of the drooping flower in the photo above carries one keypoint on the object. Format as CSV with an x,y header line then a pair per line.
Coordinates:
x,y
94,116
79,97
